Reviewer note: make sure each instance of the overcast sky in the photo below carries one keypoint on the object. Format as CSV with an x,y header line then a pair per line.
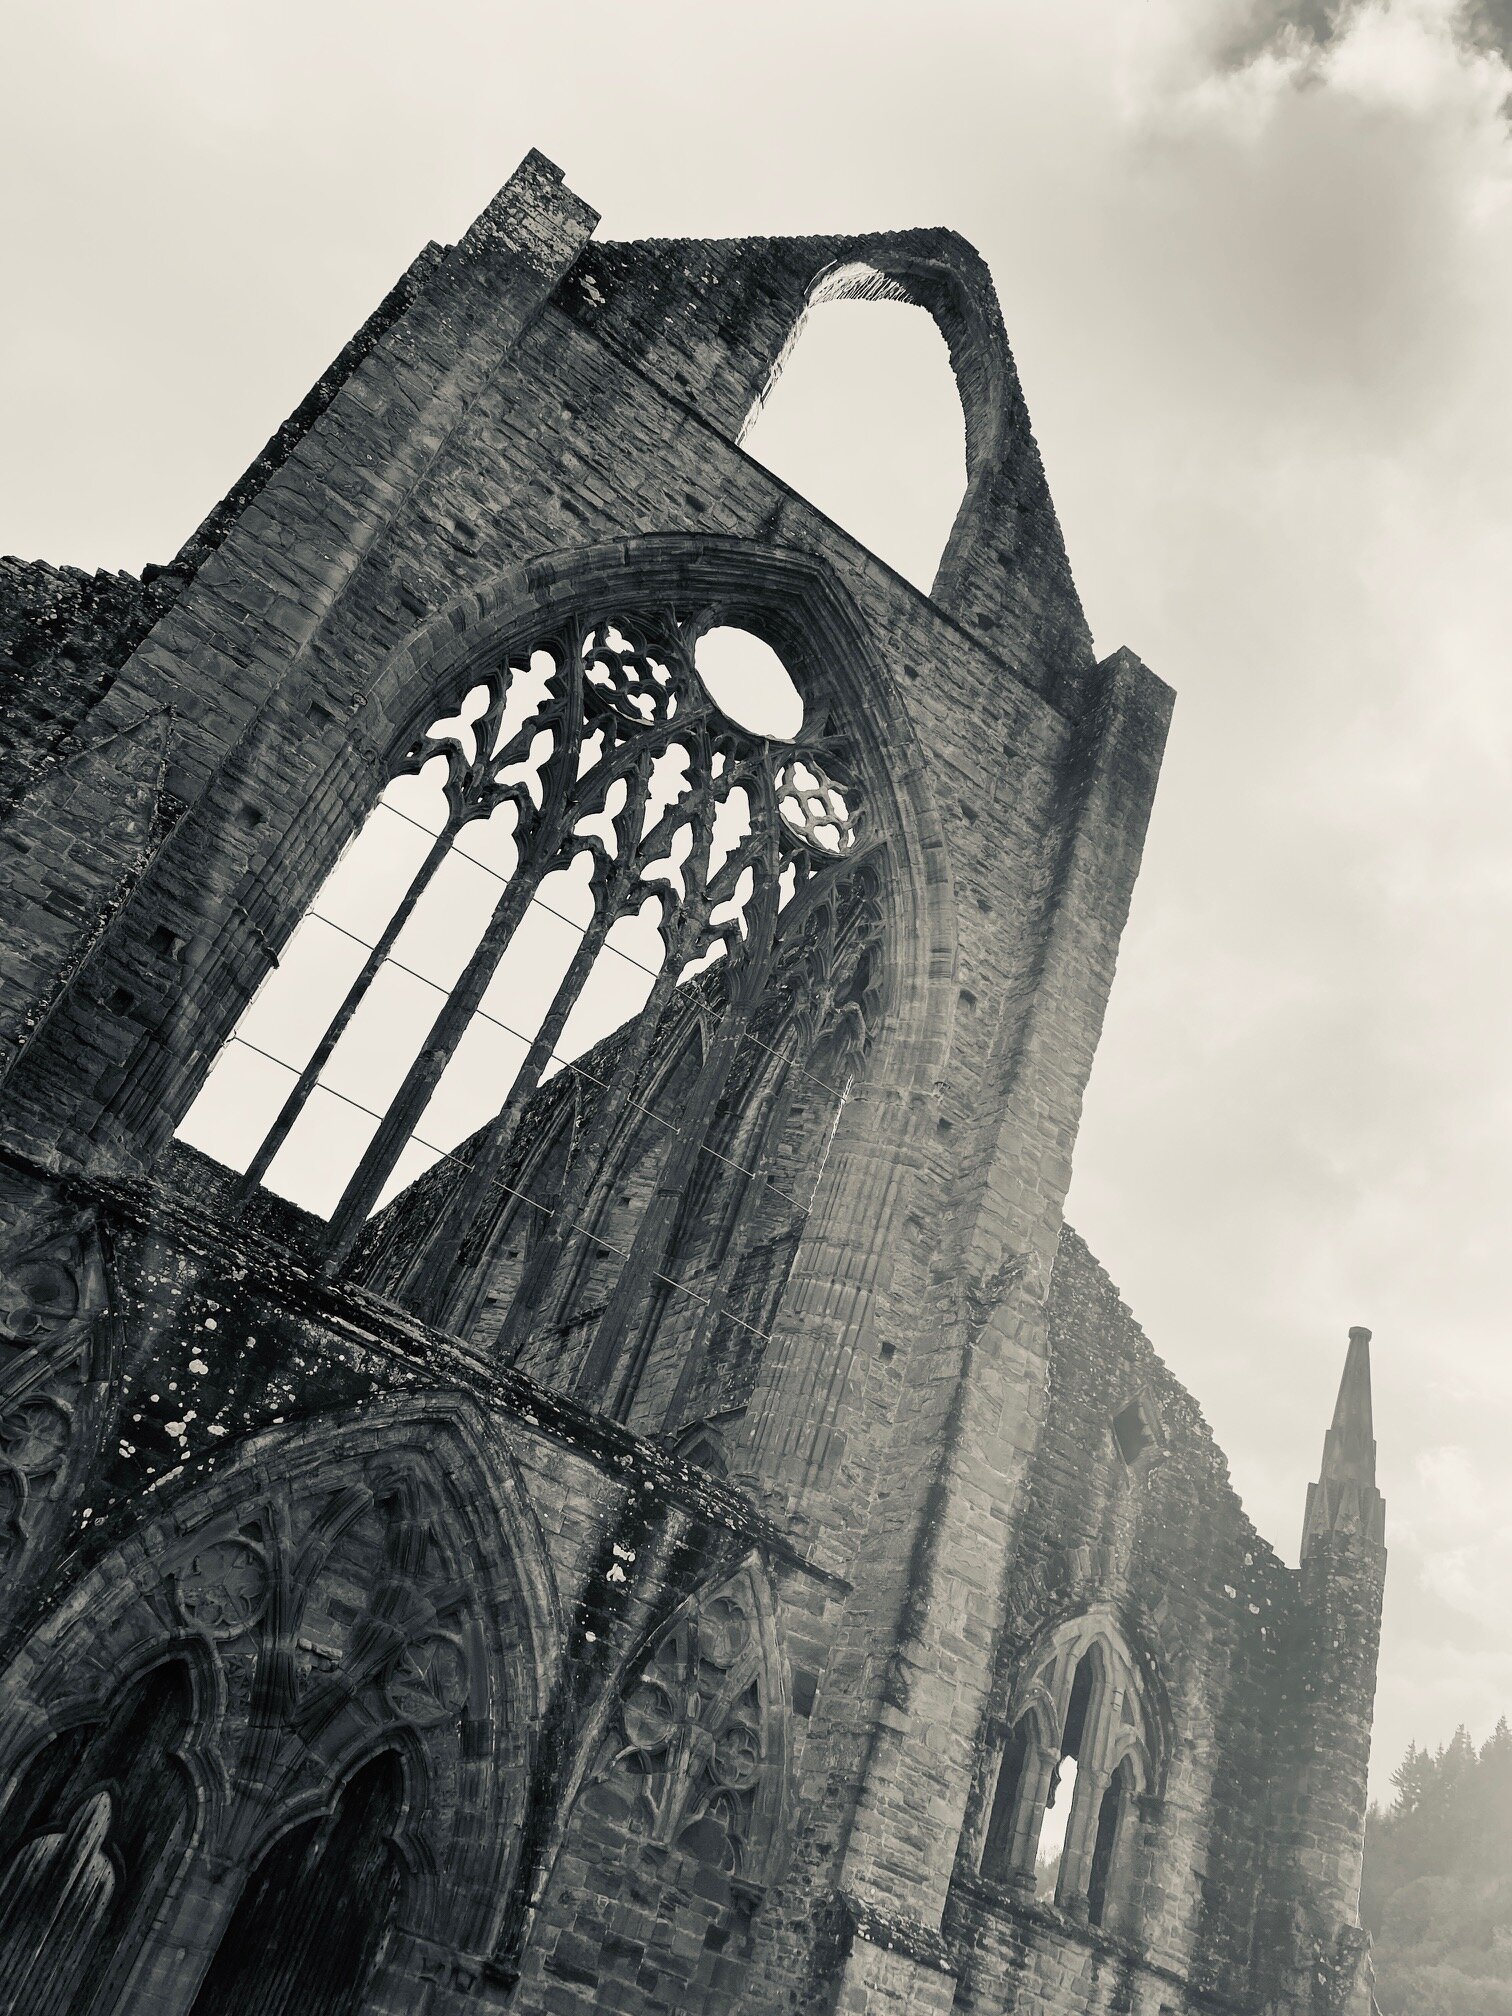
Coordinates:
x,y
1256,264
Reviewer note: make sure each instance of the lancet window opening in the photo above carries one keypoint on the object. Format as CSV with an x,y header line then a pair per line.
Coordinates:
x,y
619,822
1081,1738
309,1927
91,1833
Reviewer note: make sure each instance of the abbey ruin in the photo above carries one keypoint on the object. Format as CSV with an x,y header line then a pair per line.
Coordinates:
x,y
655,1514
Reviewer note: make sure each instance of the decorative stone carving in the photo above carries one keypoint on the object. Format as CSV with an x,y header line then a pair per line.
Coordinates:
x,y
700,1732
332,1593
815,807
34,1435
427,1683
41,1291
225,1587
617,765
981,1298
56,1369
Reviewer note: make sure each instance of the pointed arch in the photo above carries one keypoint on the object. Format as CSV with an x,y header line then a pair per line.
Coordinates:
x,y
60,1349
865,422
94,1829
1082,1697
944,275
681,1790
1005,573
310,1927
368,1583
788,601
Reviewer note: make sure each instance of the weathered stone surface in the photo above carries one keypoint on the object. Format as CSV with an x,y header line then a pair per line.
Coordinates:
x,y
667,1560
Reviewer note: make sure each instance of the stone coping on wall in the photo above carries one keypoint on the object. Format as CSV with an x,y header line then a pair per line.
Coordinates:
x,y
1065,708
372,1323
971,1891
893,1931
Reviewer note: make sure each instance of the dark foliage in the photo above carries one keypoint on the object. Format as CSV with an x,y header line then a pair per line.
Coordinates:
x,y
1437,1891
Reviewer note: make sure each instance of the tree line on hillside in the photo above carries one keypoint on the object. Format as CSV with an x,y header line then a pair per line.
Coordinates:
x,y
1437,1889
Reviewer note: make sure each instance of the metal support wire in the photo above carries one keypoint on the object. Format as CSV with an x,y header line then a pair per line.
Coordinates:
x,y
547,1210
835,1091
567,1063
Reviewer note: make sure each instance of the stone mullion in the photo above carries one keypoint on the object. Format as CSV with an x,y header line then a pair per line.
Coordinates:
x,y
166,1975
651,1248
420,1081
294,1105
538,852
531,1299
1081,1838
779,1100
1092,1776
540,1288
491,1153
443,1289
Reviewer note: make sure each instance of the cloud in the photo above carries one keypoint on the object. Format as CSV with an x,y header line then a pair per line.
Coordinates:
x,y
1457,1522
1300,31
1256,263
1290,27
1305,1060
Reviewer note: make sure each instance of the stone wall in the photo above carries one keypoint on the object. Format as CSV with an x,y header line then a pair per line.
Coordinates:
x,y
411,1595
1162,1547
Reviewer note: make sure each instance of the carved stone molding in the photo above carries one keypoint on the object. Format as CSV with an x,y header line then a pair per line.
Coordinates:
x,y
58,1361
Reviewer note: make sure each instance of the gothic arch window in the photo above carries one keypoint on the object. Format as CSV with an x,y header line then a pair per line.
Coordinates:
x,y
579,831
361,1604
1084,1707
1109,1872
681,1805
312,1920
896,482
59,1343
998,1848
93,1830
1080,1754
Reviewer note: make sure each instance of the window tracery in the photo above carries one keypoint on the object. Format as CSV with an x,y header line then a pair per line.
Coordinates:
x,y
696,1744
57,1350
91,1831
1081,1733
618,834
683,1798
310,1925
341,1686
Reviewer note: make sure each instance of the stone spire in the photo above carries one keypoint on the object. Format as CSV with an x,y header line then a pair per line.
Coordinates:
x,y
1345,1498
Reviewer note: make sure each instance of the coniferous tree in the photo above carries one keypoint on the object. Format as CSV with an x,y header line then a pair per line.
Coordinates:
x,y
1437,1888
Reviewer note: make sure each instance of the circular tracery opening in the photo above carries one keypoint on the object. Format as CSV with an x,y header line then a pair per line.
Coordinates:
x,y
746,679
